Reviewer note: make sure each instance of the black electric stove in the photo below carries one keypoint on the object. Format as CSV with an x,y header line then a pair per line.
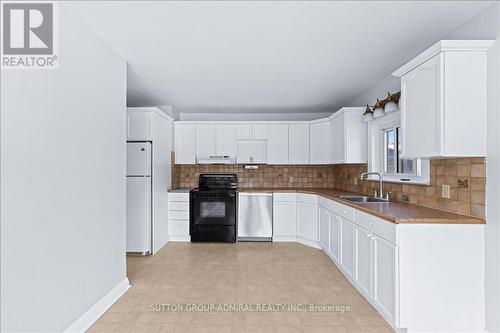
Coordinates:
x,y
213,209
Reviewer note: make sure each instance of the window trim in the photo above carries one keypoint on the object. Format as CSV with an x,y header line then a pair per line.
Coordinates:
x,y
376,153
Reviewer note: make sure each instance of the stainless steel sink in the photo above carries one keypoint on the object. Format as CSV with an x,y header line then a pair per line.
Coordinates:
x,y
359,198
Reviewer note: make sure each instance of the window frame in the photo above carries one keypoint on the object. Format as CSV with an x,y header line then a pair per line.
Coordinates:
x,y
396,128
376,153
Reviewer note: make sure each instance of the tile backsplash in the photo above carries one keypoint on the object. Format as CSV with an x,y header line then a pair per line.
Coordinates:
x,y
466,177
291,176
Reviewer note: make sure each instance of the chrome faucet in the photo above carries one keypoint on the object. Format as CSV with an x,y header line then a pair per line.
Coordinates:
x,y
380,184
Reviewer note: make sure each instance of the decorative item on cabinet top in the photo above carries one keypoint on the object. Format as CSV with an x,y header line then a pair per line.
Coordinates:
x,y
391,102
368,114
381,107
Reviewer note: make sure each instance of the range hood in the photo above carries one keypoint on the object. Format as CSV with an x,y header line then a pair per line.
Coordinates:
x,y
216,159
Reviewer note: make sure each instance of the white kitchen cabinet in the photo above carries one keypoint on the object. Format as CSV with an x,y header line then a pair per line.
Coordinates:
x,y
349,136
250,131
338,139
307,218
244,132
139,125
178,216
259,132
347,247
225,140
319,143
324,228
185,144
277,144
252,151
298,140
409,272
205,140
284,217
384,276
335,239
363,260
443,100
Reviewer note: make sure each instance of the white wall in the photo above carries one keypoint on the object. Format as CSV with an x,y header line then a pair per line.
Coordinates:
x,y
485,25
62,183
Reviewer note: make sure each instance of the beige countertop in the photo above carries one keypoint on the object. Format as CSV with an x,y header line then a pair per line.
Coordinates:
x,y
396,212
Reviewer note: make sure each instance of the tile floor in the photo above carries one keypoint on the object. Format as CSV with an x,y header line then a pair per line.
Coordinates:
x,y
242,273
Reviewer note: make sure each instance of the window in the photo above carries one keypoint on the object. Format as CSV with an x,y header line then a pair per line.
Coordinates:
x,y
385,136
393,161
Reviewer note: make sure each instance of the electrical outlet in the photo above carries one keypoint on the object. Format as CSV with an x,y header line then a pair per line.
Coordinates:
x,y
445,191
355,180
290,179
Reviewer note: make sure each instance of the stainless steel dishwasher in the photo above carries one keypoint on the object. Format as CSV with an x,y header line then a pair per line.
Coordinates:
x,y
255,217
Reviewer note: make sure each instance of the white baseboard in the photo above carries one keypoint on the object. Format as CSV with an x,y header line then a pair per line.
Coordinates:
x,y
308,242
179,238
88,318
284,239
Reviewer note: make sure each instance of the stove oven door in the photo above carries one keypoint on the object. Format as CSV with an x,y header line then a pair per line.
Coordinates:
x,y
211,210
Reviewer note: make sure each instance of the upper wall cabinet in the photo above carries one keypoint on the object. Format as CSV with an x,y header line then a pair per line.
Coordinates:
x,y
139,125
319,145
185,144
277,144
298,144
348,136
249,132
226,140
252,151
205,140
443,100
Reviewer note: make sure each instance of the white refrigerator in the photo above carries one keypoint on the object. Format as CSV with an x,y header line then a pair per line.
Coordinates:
x,y
139,204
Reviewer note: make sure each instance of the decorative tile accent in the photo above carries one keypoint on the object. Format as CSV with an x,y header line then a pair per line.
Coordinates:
x,y
466,177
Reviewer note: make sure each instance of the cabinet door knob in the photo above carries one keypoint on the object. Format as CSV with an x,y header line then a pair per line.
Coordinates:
x,y
370,224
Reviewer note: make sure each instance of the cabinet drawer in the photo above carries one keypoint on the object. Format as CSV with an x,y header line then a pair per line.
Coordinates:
x,y
307,198
178,214
346,212
178,205
178,227
378,226
286,197
178,197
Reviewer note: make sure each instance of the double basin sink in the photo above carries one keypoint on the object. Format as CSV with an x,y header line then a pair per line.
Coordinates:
x,y
362,199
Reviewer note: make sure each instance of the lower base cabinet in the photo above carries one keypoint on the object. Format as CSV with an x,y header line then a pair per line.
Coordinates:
x,y
307,218
385,261
324,229
178,216
363,273
334,250
410,273
284,217
347,235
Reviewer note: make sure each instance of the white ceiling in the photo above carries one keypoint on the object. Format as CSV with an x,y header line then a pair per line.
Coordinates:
x,y
265,56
